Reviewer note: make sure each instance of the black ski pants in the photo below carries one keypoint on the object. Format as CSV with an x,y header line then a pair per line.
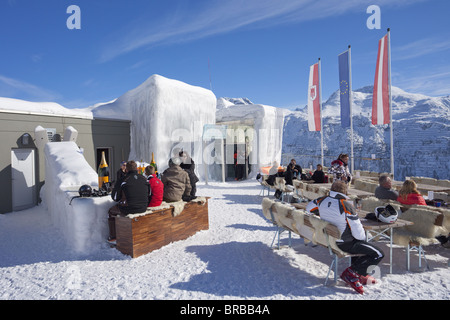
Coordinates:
x,y
371,255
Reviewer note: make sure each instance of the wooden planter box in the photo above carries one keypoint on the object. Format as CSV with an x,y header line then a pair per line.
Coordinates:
x,y
141,235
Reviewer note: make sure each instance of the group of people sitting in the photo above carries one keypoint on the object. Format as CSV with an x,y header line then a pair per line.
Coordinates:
x,y
408,194
336,208
293,171
338,169
135,192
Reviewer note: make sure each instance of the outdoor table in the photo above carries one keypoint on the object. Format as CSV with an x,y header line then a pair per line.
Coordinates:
x,y
361,177
422,188
359,193
429,187
373,228
376,228
351,191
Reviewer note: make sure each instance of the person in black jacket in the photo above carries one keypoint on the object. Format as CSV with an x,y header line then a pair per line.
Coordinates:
x,y
131,193
188,165
121,173
272,178
293,171
318,175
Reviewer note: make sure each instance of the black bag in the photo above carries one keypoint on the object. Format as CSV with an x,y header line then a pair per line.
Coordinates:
x,y
371,216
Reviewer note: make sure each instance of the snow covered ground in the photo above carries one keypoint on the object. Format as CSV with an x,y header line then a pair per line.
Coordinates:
x,y
231,260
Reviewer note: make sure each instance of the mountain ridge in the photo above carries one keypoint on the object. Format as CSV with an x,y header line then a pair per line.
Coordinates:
x,y
421,135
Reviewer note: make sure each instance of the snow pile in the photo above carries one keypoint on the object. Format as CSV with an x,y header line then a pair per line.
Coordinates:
x,y
45,108
421,135
166,114
83,221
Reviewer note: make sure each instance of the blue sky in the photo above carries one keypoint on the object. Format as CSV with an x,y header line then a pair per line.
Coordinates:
x,y
257,49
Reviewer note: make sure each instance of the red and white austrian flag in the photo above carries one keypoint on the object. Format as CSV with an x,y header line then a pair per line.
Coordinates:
x,y
380,101
314,99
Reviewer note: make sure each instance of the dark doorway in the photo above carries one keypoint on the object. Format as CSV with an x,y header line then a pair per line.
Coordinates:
x,y
238,168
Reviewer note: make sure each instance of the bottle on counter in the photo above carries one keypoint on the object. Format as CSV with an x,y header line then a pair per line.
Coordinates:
x,y
103,171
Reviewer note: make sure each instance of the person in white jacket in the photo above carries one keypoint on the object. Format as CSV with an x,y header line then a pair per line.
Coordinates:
x,y
338,210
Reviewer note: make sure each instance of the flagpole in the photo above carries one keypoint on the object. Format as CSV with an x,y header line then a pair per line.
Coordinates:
x,y
391,124
352,163
320,103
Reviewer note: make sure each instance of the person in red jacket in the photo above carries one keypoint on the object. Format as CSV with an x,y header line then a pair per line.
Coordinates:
x,y
156,187
408,194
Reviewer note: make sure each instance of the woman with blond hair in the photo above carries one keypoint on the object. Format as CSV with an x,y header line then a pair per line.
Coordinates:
x,y
408,194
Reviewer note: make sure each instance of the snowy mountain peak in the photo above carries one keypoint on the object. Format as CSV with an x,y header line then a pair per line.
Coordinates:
x,y
404,104
421,134
226,102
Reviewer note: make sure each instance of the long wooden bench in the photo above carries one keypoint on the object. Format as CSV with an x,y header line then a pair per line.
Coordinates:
x,y
140,234
307,226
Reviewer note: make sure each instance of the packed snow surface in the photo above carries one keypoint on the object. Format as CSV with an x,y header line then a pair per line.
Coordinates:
x,y
231,260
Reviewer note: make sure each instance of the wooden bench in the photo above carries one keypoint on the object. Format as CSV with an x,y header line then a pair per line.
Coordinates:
x,y
140,234
307,226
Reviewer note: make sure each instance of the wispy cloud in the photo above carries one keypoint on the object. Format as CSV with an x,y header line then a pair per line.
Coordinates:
x,y
215,17
420,48
36,57
13,88
10,87
434,82
430,80
218,17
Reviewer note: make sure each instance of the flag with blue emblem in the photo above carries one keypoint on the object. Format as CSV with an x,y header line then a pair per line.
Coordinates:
x,y
345,88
